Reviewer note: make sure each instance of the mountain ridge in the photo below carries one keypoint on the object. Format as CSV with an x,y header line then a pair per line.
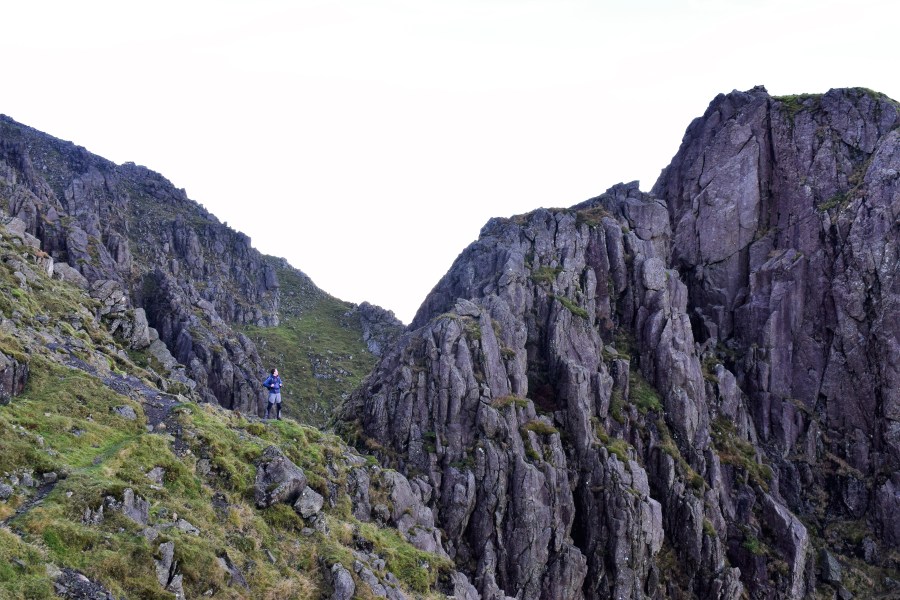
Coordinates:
x,y
683,393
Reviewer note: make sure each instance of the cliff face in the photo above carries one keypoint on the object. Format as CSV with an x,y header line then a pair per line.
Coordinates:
x,y
691,392
159,260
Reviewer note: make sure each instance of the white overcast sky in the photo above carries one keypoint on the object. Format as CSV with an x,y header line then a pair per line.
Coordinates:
x,y
367,141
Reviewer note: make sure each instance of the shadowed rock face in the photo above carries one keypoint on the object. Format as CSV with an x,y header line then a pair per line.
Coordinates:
x,y
128,229
674,394
804,284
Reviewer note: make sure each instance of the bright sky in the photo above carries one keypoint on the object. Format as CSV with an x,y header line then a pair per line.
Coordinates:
x,y
368,141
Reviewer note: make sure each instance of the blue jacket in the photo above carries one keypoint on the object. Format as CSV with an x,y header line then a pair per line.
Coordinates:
x,y
273,382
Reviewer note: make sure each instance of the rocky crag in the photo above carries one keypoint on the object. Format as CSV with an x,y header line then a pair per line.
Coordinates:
x,y
687,393
177,283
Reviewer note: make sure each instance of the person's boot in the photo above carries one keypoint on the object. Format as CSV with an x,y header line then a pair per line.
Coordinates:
x,y
268,409
278,411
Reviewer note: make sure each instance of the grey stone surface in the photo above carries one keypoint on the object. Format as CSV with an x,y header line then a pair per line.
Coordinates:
x,y
309,503
342,582
277,479
126,412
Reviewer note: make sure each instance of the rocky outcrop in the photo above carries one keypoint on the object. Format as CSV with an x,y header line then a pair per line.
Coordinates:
x,y
13,377
655,395
73,585
167,571
516,409
379,327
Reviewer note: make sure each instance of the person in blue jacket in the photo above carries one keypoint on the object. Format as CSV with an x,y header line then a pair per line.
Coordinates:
x,y
273,383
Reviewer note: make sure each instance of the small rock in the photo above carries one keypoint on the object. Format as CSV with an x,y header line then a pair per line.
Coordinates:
x,y
381,512
6,491
50,477
187,527
135,508
869,550
341,582
126,412
830,567
309,503
156,475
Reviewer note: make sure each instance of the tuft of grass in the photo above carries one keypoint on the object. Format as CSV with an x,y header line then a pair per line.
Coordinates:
x,y
572,307
545,275
617,406
539,427
667,444
739,453
420,570
592,217
506,401
753,545
793,104
642,394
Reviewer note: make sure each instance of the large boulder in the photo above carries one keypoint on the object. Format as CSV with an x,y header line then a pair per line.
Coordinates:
x,y
277,479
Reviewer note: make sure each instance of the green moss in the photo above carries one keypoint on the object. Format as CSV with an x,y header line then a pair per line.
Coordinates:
x,y
617,406
540,427
796,103
733,450
642,394
572,307
545,275
507,401
592,217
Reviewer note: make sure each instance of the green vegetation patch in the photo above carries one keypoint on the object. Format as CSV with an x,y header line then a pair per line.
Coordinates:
x,y
642,394
739,453
545,275
592,217
540,427
506,401
667,444
572,307
794,104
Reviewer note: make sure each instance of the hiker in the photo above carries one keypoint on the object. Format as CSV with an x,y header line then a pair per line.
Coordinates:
x,y
273,383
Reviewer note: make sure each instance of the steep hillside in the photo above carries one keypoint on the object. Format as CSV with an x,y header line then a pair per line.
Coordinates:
x,y
134,240
318,345
689,393
112,487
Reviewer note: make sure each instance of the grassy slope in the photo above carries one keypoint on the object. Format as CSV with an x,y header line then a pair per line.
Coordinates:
x,y
318,351
64,423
